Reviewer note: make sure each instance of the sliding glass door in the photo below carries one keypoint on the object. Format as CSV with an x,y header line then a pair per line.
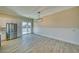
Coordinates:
x,y
26,27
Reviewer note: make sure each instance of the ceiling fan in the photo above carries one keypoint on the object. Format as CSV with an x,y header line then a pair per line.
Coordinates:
x,y
39,18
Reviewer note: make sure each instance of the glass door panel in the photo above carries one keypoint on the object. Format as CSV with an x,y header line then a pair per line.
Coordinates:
x,y
26,27
29,27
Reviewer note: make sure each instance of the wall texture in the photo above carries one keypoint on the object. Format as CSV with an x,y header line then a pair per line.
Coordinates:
x,y
62,25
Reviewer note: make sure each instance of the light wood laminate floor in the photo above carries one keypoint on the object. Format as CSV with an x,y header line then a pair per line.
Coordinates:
x,y
37,44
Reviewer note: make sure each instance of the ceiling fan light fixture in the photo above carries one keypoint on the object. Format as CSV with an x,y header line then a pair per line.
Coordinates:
x,y
39,18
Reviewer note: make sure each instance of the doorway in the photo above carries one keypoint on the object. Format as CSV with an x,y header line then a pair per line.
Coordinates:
x,y
26,28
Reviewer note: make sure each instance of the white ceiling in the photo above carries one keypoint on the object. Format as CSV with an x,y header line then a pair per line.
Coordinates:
x,y
31,11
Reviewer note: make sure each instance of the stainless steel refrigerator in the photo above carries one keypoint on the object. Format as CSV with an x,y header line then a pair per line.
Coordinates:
x,y
11,31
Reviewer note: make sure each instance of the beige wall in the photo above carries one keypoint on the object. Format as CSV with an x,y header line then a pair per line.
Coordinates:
x,y
4,18
62,25
66,18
